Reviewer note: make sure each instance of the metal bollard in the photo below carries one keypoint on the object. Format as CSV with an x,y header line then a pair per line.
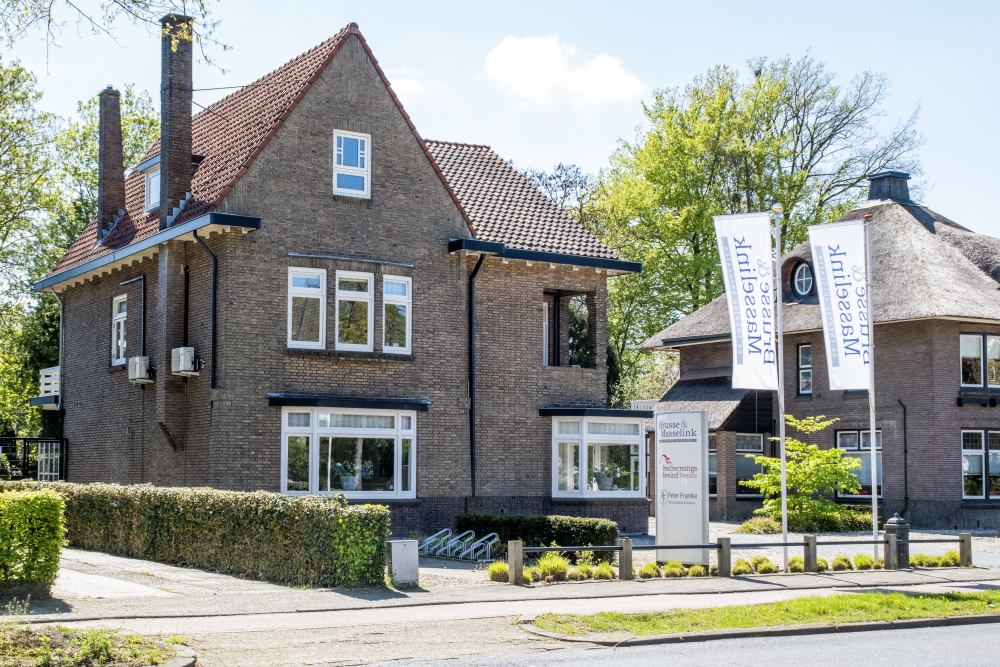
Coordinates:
x,y
965,549
809,553
625,559
890,552
725,557
515,562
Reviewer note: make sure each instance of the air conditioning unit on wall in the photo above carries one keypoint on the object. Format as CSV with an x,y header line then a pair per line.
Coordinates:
x,y
139,371
183,361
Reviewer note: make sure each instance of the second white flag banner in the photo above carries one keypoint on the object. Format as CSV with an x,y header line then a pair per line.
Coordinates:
x,y
745,251
838,252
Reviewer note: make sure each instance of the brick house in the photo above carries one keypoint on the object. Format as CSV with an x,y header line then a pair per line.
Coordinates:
x,y
304,274
936,292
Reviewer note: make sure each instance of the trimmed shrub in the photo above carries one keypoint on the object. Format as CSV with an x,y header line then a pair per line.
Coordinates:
x,y
765,566
499,571
863,562
604,571
537,531
741,568
842,563
821,564
951,559
649,571
759,525
31,537
553,565
697,571
298,540
796,564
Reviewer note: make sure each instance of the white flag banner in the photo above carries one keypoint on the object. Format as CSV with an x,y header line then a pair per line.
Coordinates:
x,y
838,252
745,251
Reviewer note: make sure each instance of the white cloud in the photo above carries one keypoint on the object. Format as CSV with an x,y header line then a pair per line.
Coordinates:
x,y
544,69
408,82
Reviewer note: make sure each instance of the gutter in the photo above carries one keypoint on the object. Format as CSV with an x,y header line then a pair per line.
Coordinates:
x,y
472,369
501,250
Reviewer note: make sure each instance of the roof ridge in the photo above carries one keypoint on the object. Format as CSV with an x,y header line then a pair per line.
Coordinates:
x,y
457,143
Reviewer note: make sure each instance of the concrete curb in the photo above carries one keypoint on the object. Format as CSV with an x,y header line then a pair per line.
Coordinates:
x,y
185,657
777,631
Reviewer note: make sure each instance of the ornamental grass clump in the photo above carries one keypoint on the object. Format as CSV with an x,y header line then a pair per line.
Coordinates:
x,y
765,566
880,564
951,559
864,562
932,561
673,569
553,565
604,571
697,571
649,571
582,571
499,571
796,564
821,564
742,568
842,563
918,560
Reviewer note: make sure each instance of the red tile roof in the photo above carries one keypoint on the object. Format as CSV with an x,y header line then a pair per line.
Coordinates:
x,y
505,207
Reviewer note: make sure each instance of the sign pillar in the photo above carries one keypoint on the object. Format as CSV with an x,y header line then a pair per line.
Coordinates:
x,y
681,471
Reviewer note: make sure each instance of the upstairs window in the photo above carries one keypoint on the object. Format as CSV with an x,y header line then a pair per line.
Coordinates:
x,y
306,308
805,370
153,188
119,312
355,311
977,371
397,311
802,280
352,164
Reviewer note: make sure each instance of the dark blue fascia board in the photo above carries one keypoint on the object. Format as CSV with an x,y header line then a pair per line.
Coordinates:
x,y
501,250
38,401
227,219
374,403
143,166
555,411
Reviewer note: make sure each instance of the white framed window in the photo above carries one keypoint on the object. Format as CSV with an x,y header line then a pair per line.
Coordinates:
x,y
119,314
355,310
397,314
748,445
545,333
713,463
360,453
598,457
306,308
802,280
861,443
153,188
805,369
352,164
972,360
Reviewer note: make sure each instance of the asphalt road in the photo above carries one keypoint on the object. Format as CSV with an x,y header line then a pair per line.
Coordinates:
x,y
964,646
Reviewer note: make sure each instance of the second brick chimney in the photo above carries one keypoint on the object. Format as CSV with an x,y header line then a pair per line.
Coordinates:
x,y
175,117
110,168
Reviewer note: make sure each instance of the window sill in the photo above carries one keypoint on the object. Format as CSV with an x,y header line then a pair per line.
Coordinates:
x,y
570,368
583,500
350,356
856,394
803,397
974,503
117,368
355,497
357,201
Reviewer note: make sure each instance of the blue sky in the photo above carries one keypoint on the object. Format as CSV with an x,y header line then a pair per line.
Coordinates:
x,y
549,82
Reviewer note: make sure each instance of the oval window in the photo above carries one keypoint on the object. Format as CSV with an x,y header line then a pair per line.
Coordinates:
x,y
802,280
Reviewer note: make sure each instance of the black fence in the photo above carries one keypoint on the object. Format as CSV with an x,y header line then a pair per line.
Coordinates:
x,y
38,459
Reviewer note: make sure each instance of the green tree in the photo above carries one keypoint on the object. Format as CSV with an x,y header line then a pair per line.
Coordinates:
x,y
812,475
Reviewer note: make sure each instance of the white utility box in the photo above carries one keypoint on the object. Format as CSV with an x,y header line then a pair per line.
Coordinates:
x,y
139,371
183,361
403,562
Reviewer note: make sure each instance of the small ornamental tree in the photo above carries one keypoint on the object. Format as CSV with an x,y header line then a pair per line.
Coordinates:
x,y
812,476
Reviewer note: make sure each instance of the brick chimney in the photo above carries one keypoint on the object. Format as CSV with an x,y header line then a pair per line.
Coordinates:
x,y
889,185
175,118
110,168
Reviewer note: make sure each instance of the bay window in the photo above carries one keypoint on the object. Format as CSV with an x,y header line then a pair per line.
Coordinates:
x,y
397,314
119,313
306,308
598,456
981,464
360,453
858,445
748,445
355,310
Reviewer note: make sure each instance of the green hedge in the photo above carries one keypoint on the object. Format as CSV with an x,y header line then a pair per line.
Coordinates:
x,y
299,540
31,535
542,531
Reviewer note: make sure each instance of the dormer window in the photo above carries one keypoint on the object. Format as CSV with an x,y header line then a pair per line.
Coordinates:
x,y
352,164
153,188
802,280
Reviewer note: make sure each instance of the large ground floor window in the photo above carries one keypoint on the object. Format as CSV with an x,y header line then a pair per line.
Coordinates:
x,y
980,464
360,453
748,445
858,445
597,456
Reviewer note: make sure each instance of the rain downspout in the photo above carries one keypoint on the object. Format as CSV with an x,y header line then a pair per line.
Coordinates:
x,y
472,368
906,480
215,271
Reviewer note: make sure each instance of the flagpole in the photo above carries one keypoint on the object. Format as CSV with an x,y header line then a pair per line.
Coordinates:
x,y
780,353
872,440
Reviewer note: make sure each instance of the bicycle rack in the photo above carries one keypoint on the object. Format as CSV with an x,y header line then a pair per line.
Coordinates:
x,y
456,544
434,541
481,549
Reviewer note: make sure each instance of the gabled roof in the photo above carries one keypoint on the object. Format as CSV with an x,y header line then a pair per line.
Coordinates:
x,y
924,265
505,207
230,134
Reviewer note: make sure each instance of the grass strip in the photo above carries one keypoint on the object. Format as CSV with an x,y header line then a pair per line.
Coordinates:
x,y
833,609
